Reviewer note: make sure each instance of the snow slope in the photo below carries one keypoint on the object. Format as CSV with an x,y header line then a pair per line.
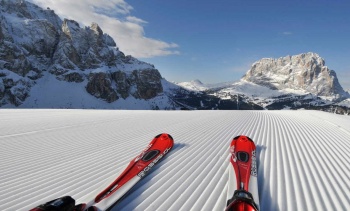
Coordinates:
x,y
198,86
52,93
303,157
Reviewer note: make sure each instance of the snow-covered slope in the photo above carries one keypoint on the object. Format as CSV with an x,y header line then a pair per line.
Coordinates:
x,y
197,85
303,157
194,85
286,98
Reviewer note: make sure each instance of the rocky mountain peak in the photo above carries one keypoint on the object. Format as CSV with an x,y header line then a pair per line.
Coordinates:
x,y
305,71
35,42
96,29
70,27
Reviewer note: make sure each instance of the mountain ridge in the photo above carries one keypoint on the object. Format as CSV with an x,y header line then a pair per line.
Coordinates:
x,y
46,62
35,42
307,68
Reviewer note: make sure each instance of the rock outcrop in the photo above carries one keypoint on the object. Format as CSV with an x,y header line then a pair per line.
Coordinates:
x,y
141,84
300,72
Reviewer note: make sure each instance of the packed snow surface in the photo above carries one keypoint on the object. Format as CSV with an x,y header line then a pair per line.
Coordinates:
x,y
303,157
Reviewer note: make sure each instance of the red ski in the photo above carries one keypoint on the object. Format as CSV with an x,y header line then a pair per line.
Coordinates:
x,y
137,168
140,165
243,175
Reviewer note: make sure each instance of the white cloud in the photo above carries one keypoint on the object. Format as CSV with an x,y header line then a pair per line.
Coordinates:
x,y
136,20
113,16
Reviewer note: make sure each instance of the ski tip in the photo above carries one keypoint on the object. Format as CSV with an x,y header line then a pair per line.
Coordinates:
x,y
170,137
164,135
243,138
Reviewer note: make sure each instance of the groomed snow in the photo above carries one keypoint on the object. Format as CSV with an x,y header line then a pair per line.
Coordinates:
x,y
303,157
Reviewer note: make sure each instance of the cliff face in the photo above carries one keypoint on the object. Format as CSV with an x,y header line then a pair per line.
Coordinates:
x,y
35,42
300,72
141,84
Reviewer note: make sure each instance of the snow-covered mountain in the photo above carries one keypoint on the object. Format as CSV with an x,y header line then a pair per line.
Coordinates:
x,y
292,82
306,72
46,62
197,85
243,95
303,73
49,62
194,85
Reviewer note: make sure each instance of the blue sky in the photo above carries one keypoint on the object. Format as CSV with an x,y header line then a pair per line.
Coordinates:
x,y
217,41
